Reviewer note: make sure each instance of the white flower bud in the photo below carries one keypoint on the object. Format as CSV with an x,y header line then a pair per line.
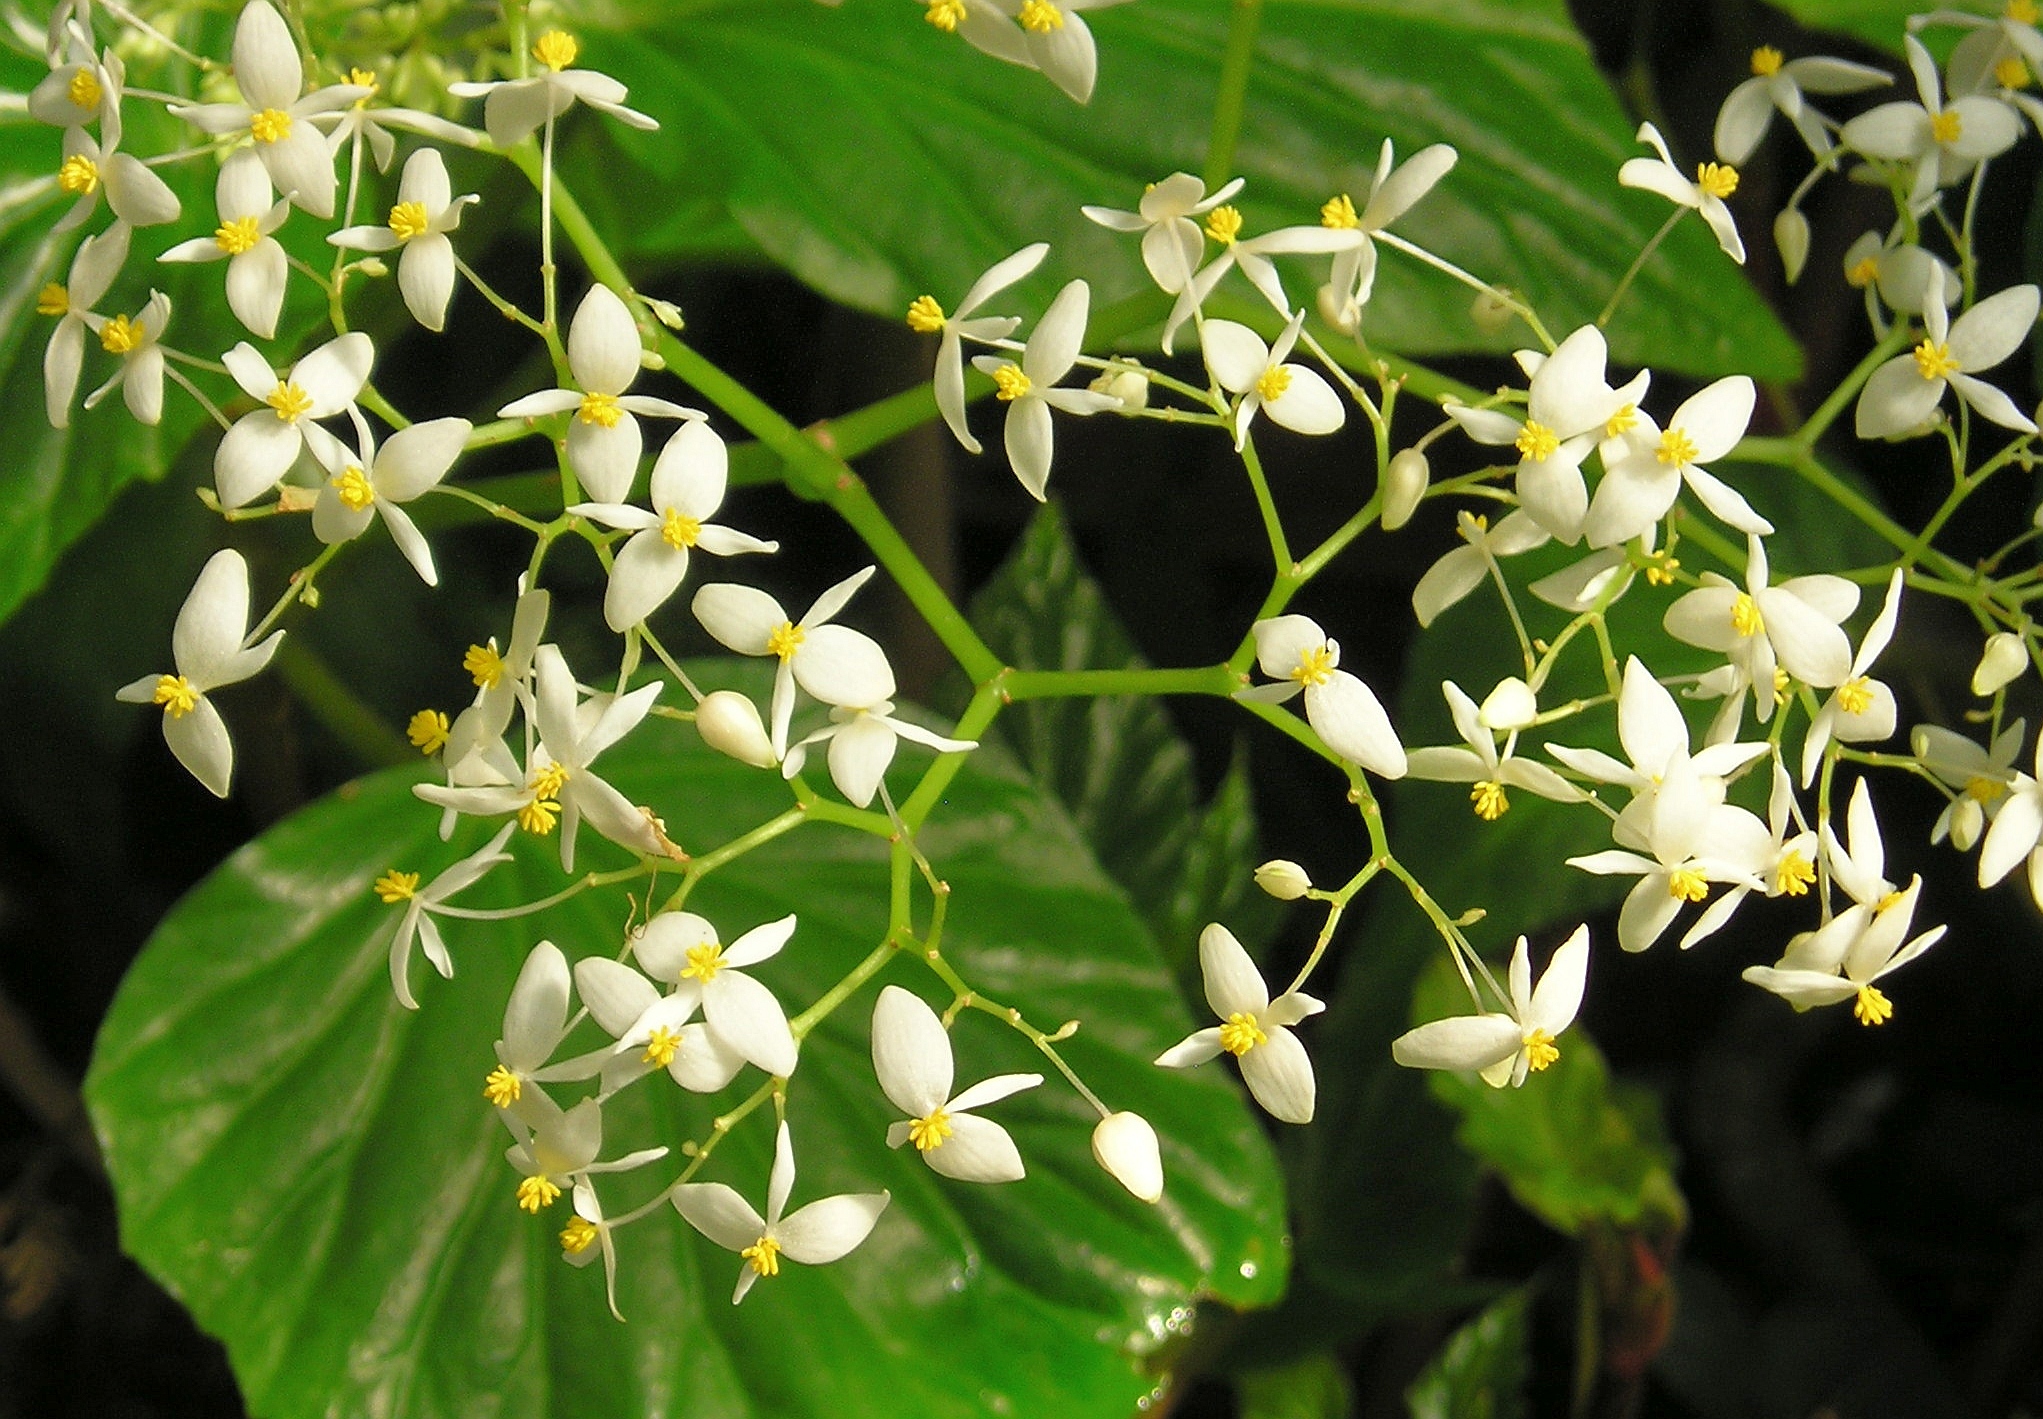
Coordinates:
x,y
1491,312
372,266
1512,705
1131,387
1125,1145
1404,483
2005,657
1284,880
1338,311
1968,820
1791,235
729,723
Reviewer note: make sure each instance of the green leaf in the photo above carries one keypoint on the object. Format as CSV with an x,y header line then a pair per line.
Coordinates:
x,y
1118,764
1480,1373
1314,1388
315,1172
878,159
1880,22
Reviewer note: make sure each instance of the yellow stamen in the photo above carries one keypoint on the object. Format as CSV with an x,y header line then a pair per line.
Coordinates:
x,y
394,886
484,665
78,175
1676,448
600,409
289,401
2022,12
1480,522
1687,884
925,316
549,781
1781,681
1240,1033
1540,1051
1273,382
364,79
1766,60
1718,180
577,1235
1947,127
679,531
1933,361
176,695
84,89
704,961
1315,666
1793,875
1040,17
764,1256
1339,213
355,489
1872,1008
1745,617
930,1132
1865,273
2011,73
946,15
1984,790
1623,421
535,1195
1536,442
1009,383
53,299
1855,696
238,236
1489,800
427,731
1889,902
1660,571
556,49
502,1088
1223,224
408,220
122,336
272,125
786,639
539,816
661,1047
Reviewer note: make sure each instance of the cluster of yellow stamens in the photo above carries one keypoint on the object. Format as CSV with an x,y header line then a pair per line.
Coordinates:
x,y
1315,666
1948,126
483,665
537,1194
929,1132
1794,875
1766,60
577,1235
1660,571
946,15
1040,17
1540,1051
1687,884
704,961
1489,800
1223,224
78,175
1933,361
1339,213
1536,442
394,886
1676,448
408,220
556,49
1718,180
1240,1033
1623,421
176,695
1009,383
2022,12
1983,790
1864,273
237,236
925,316
53,299
364,79
600,409
503,1088
289,401
355,489
1855,696
272,125
427,731
539,816
84,89
122,336
1872,1007
661,1047
786,639
680,531
1745,617
763,1256
1272,383
2011,73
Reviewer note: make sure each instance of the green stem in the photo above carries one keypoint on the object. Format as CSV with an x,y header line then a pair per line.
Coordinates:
x,y
1244,19
1848,388
1273,525
837,994
1631,274
1061,684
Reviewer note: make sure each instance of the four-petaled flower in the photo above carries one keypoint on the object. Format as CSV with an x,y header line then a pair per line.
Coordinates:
x,y
926,317
1253,1028
1027,386
1901,396
1713,182
912,1057
426,211
1343,711
1293,395
1503,1046
366,482
262,444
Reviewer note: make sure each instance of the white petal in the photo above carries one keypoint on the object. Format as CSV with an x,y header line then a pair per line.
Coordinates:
x,y
860,753
603,344
617,995
1348,716
605,459
266,67
978,1150
425,276
761,943
1001,275
1195,1048
334,374
825,1230
255,286
1279,1074
1559,992
744,1015
742,618
1054,344
1030,443
1233,984
719,1214
301,165
647,571
253,454
1459,1042
199,739
1308,404
911,1052
213,619
1235,354
1994,329
535,1016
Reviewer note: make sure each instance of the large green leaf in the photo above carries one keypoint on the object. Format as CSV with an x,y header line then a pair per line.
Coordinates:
x,y
878,159
1480,1373
315,1171
1881,22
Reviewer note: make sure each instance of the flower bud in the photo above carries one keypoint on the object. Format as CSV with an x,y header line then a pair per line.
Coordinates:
x,y
729,723
1404,483
2005,658
1512,705
1131,387
1491,312
1968,820
1337,310
1125,1145
372,266
1286,881
1791,235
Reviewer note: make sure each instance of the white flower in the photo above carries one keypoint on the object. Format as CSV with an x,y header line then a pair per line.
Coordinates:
x,y
1461,570
367,482
574,734
263,444
1981,776
1797,625
257,269
744,1018
1749,108
912,1058
2017,830
1482,765
1252,255
836,664
1713,183
862,741
1944,141
926,317
1056,42
513,108
1125,1145
426,211
140,374
557,1149
208,650
1902,395
1393,191
1254,1029
93,268
1645,466
416,924
361,119
81,91
653,1031
1906,277
1343,711
272,114
814,1235
1293,395
1654,736
1504,1046
1782,865
89,168
1026,387
1861,710
1171,241
603,442
688,484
